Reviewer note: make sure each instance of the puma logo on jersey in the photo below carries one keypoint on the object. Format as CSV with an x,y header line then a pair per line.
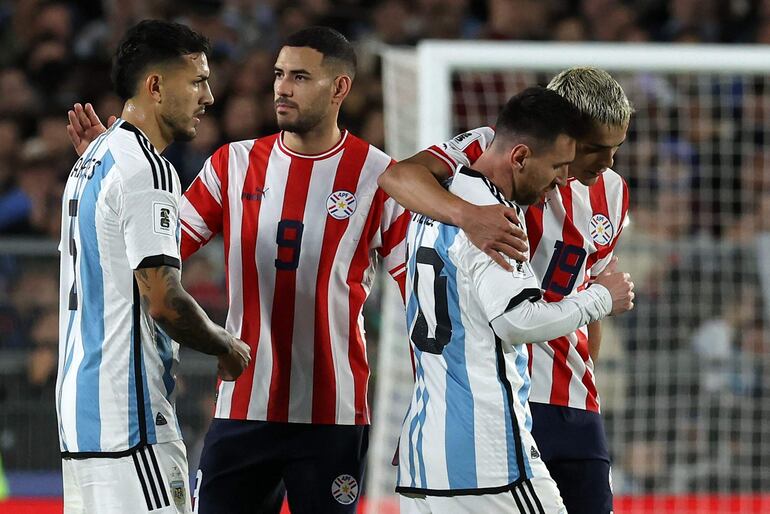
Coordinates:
x,y
257,195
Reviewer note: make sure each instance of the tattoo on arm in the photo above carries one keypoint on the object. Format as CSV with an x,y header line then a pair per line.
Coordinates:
x,y
182,318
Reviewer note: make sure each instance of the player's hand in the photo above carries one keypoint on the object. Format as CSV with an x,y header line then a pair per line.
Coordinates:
x,y
494,230
620,287
85,126
232,363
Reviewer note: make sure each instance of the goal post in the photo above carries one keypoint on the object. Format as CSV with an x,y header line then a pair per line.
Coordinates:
x,y
683,377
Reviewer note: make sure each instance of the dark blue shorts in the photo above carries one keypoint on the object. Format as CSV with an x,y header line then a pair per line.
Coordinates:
x,y
573,446
245,466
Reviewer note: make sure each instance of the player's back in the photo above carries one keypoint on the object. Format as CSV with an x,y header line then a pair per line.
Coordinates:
x,y
116,368
467,428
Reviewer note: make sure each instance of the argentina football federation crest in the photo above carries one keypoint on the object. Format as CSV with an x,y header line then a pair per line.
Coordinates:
x,y
345,489
341,204
601,229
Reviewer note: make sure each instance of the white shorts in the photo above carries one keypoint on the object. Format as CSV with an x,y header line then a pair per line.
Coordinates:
x,y
153,479
537,496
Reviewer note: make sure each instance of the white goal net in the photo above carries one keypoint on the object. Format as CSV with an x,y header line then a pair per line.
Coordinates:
x,y
685,377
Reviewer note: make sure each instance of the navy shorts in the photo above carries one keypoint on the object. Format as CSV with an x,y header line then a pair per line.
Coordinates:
x,y
573,446
246,466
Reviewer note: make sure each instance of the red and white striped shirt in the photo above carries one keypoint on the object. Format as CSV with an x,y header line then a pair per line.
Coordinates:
x,y
572,236
301,236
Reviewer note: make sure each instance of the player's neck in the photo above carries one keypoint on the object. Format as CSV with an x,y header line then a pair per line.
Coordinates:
x,y
144,119
316,141
497,171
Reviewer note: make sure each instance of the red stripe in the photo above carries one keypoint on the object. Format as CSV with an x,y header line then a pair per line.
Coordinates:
x,y
194,232
534,219
282,318
561,371
394,234
356,348
324,377
473,151
255,177
592,403
437,149
561,374
207,207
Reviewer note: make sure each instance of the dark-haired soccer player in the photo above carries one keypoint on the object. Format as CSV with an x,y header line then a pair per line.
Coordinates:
x,y
122,307
466,443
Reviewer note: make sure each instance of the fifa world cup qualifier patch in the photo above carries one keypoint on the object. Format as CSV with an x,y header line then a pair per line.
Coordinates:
x,y
341,204
345,489
602,230
163,219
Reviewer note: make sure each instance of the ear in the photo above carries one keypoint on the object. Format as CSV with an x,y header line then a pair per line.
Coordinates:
x,y
153,86
342,85
519,155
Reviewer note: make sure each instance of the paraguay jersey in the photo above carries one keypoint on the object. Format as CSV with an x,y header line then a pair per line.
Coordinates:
x,y
467,430
116,384
572,237
302,236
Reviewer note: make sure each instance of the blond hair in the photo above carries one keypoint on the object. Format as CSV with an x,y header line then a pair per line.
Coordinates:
x,y
595,94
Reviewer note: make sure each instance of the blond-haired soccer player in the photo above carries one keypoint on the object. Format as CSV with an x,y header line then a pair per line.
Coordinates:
x,y
572,235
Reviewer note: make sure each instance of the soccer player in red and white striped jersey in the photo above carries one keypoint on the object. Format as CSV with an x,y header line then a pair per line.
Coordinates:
x,y
304,223
572,235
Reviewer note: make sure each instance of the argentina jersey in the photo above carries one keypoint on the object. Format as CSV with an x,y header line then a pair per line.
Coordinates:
x,y
115,387
467,429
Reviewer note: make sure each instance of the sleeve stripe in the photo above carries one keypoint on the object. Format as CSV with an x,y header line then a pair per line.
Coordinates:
x,y
437,152
191,232
530,294
395,234
155,261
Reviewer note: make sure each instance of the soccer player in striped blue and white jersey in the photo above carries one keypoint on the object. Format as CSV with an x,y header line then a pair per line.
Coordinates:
x,y
466,443
122,307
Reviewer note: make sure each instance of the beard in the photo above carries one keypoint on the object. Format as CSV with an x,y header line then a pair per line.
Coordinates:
x,y
304,123
180,126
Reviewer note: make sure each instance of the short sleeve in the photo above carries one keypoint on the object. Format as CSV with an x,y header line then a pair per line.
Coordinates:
x,y
464,148
150,221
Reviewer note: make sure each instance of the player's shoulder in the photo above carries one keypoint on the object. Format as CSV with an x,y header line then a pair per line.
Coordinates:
x,y
137,162
376,159
480,136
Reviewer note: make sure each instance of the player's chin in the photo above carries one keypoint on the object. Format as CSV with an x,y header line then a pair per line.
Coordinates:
x,y
589,178
186,134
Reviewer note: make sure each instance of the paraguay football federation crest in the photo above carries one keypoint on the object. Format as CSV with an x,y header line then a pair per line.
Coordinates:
x,y
341,204
601,229
345,489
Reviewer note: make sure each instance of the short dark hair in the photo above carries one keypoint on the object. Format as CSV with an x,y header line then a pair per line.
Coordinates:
x,y
329,42
151,42
540,114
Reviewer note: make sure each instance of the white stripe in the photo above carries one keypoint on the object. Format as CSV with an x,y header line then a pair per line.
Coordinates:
x,y
191,234
266,252
191,216
208,174
448,162
303,347
236,172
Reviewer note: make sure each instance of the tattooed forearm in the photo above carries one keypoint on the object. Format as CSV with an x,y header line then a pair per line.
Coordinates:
x,y
178,314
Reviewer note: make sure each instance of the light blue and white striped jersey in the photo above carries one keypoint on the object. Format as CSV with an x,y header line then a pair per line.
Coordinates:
x,y
467,430
116,380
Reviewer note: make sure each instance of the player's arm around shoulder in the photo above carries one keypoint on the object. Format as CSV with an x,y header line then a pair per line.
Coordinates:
x,y
180,316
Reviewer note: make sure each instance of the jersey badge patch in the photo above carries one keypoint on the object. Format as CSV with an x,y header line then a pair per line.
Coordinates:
x,y
601,229
345,489
163,221
522,270
341,204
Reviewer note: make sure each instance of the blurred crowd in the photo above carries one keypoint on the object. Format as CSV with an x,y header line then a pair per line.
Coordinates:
x,y
697,171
